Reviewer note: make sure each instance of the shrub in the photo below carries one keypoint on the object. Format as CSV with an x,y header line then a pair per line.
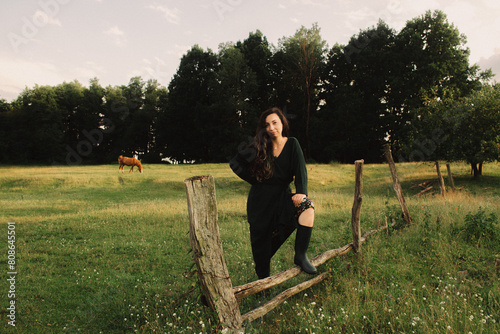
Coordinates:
x,y
480,227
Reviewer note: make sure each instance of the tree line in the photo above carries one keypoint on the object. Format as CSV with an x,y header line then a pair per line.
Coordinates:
x,y
414,89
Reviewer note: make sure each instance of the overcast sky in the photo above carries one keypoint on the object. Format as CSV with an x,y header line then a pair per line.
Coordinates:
x,y
48,42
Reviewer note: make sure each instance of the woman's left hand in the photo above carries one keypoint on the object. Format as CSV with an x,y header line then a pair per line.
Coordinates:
x,y
297,199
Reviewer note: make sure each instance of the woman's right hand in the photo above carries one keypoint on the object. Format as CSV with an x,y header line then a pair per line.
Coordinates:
x,y
297,199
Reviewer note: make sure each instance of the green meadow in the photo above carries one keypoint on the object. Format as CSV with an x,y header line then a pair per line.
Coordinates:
x,y
97,251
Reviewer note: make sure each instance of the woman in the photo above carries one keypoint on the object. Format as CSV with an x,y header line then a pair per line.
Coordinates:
x,y
270,163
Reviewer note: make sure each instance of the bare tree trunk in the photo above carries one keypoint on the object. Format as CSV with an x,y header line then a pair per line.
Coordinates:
x,y
440,180
450,178
475,170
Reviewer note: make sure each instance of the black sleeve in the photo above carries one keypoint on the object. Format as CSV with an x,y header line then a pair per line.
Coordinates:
x,y
299,169
241,162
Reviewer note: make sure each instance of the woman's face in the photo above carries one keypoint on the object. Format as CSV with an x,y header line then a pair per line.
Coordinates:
x,y
274,127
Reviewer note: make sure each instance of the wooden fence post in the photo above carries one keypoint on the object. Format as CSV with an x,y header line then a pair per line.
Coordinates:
x,y
440,179
208,255
450,178
396,185
356,207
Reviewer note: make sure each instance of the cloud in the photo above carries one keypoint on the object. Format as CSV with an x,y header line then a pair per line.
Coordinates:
x,y
492,62
117,35
179,50
89,70
172,15
153,69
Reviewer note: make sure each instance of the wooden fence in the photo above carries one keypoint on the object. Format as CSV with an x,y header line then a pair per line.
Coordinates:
x,y
208,255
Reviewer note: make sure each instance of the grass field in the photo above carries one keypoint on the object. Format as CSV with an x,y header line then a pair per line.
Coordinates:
x,y
101,252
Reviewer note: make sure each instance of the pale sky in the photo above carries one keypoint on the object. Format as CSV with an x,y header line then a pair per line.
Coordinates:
x,y
48,42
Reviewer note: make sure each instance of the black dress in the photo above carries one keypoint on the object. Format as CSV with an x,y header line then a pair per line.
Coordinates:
x,y
270,210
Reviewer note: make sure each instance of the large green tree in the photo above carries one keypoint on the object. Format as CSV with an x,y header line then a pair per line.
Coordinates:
x,y
236,87
354,119
38,126
6,129
472,127
95,127
375,86
139,119
189,121
117,114
431,59
458,128
69,97
155,100
302,57
257,54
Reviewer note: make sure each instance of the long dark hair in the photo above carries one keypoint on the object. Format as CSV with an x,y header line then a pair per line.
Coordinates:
x,y
262,166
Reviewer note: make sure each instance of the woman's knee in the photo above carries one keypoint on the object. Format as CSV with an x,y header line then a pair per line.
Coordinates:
x,y
306,218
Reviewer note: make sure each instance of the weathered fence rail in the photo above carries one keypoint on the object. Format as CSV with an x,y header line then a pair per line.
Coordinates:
x,y
213,275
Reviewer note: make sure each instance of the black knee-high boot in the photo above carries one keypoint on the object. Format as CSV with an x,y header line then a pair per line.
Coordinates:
x,y
302,238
